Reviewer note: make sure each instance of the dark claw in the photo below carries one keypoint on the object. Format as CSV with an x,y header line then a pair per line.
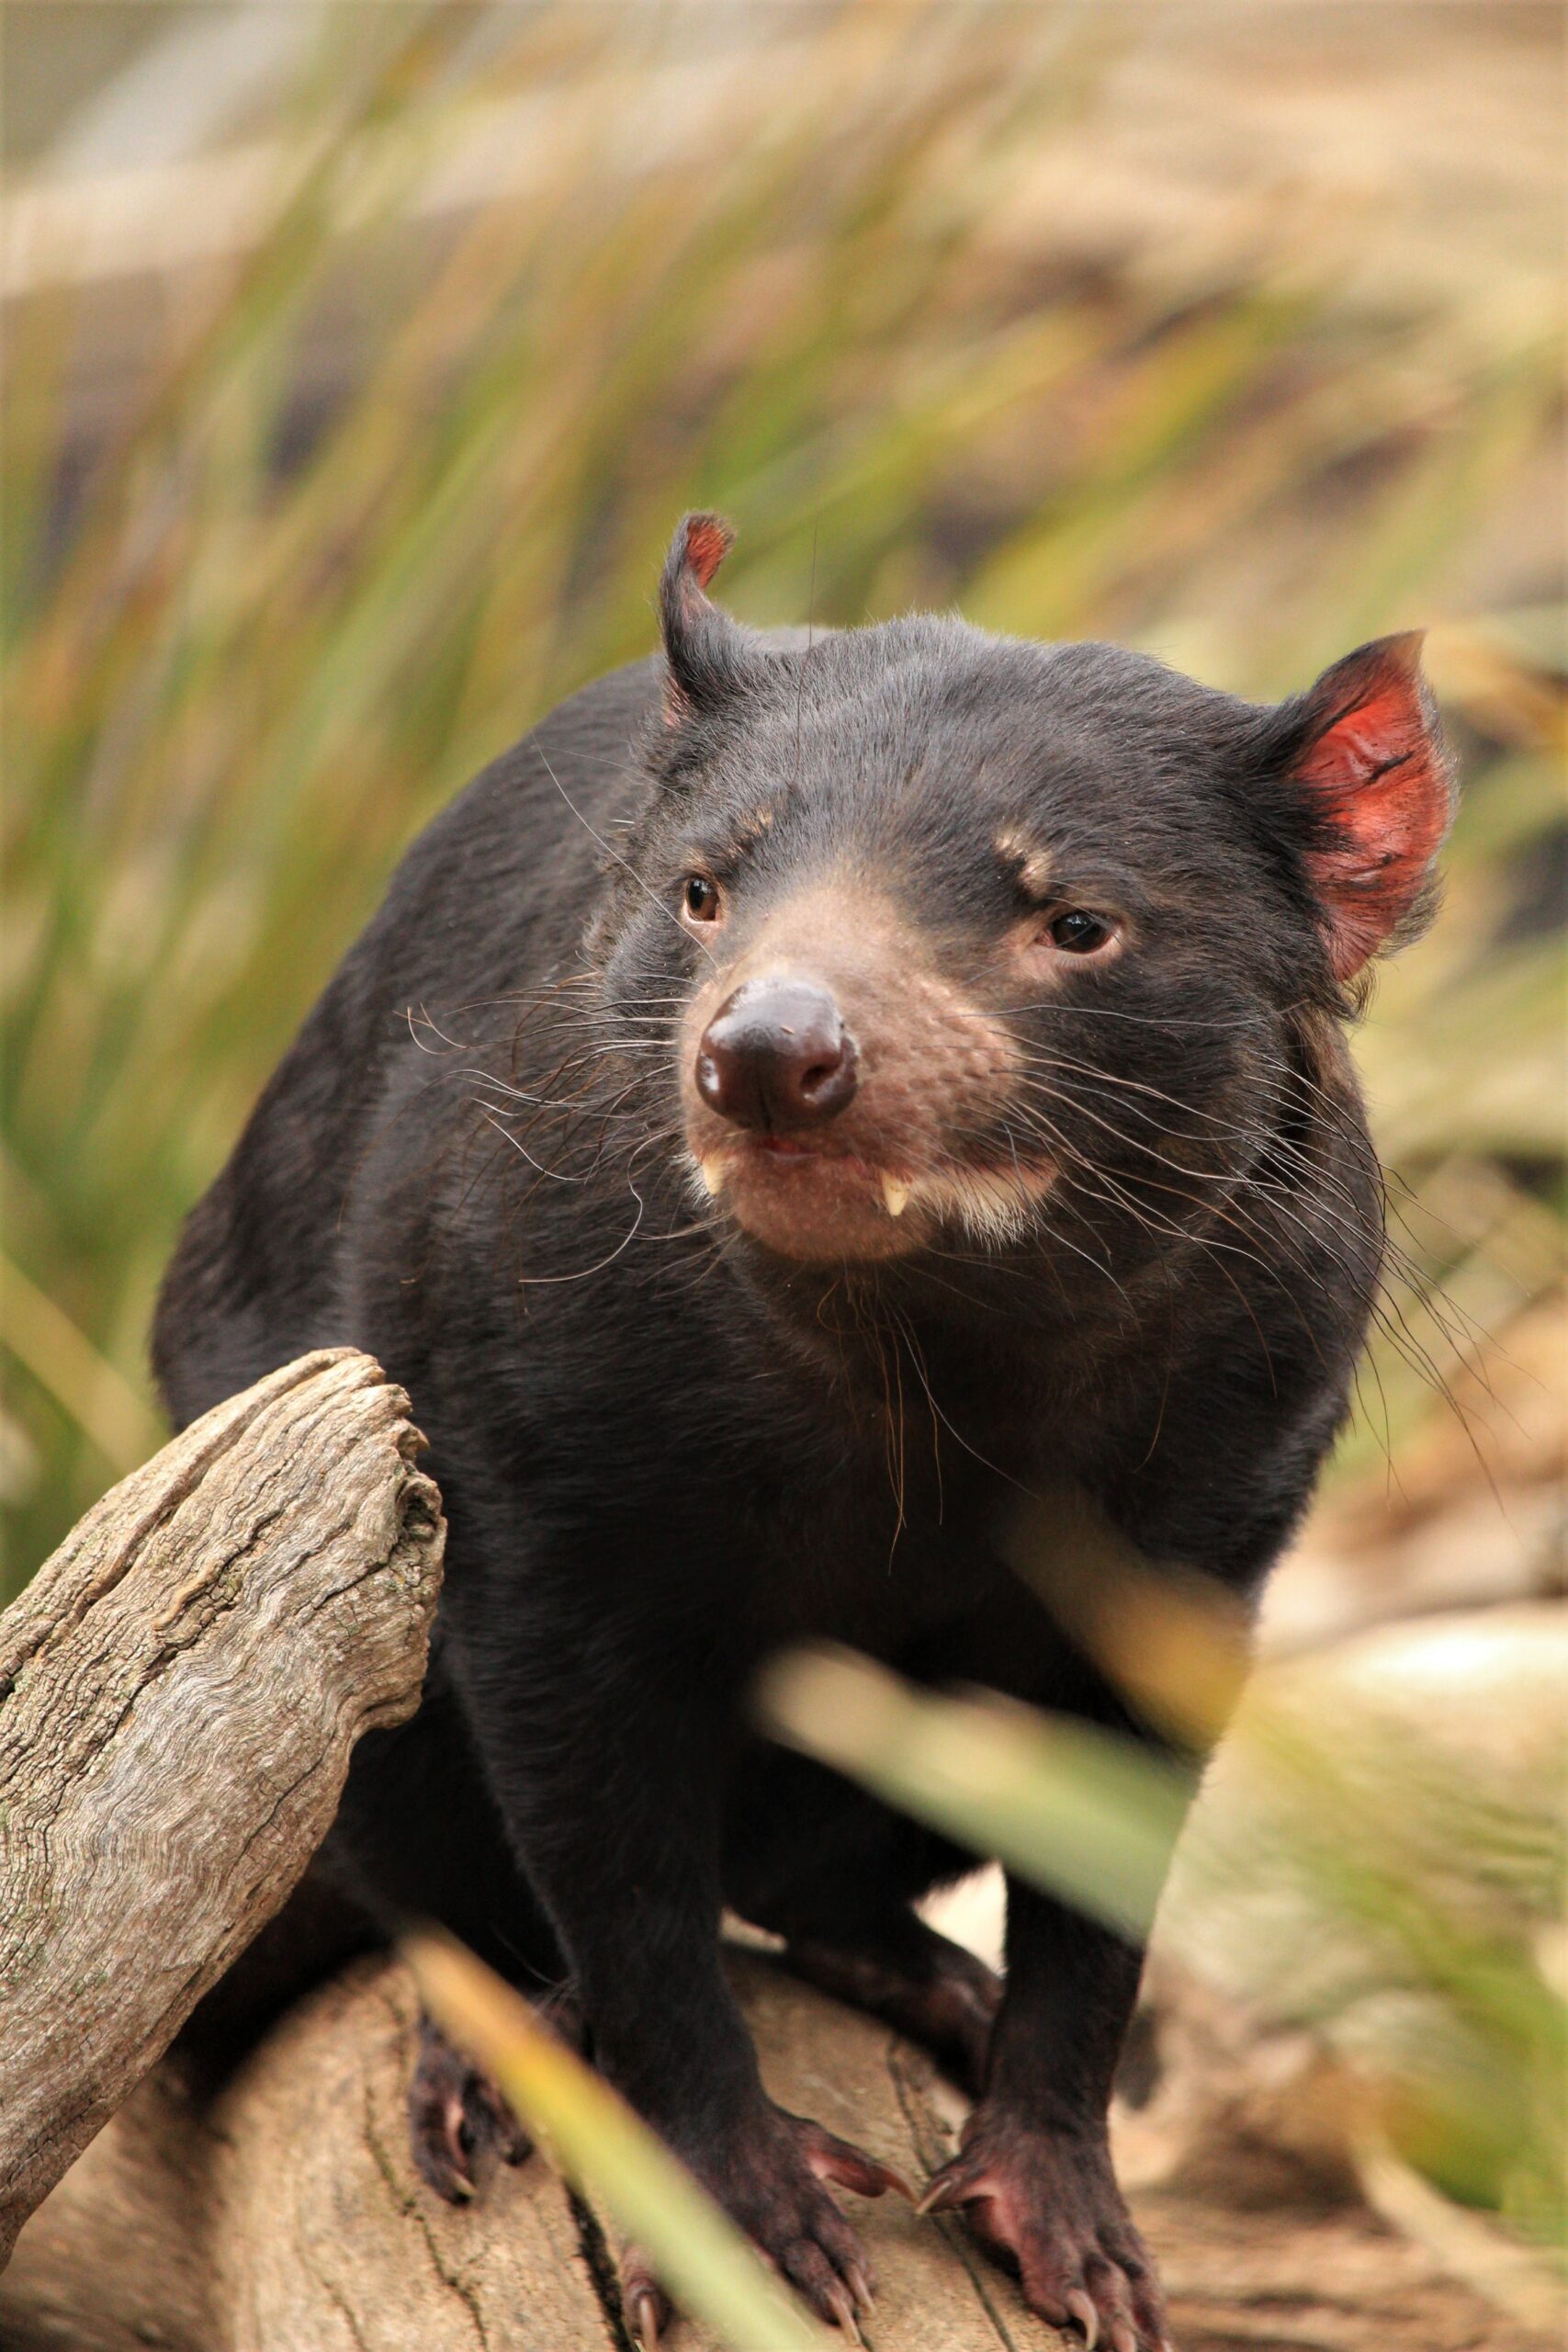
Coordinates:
x,y
511,2141
453,2110
454,2142
831,2158
837,2298
874,2178
1088,2318
452,2181
642,2323
643,2301
945,2189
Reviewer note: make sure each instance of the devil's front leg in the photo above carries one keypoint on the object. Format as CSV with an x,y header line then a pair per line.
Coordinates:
x,y
1033,2172
605,1747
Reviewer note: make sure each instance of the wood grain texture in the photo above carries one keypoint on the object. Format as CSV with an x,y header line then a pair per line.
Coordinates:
x,y
278,2210
281,2211
180,1690
179,1694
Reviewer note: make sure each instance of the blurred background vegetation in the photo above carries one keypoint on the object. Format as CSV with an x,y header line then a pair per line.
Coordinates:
x,y
359,359
359,356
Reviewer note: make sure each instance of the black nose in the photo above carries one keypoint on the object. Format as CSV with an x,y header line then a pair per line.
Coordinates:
x,y
776,1055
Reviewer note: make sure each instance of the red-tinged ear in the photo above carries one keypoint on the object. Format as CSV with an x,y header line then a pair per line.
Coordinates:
x,y
1369,758
706,650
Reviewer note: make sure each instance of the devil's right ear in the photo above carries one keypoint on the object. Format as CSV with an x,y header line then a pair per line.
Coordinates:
x,y
710,654
1375,783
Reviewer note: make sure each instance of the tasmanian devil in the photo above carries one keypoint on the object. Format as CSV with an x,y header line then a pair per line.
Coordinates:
x,y
809,1091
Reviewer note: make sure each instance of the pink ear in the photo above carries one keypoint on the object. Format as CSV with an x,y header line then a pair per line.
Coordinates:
x,y
1377,780
700,642
708,540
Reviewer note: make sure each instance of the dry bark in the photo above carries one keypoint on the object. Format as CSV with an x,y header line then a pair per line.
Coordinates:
x,y
180,1689
281,2210
278,2210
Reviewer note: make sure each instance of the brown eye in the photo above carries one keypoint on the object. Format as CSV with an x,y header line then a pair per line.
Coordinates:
x,y
1077,933
700,898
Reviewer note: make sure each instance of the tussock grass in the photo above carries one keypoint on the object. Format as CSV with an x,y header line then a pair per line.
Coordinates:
x,y
396,474
394,469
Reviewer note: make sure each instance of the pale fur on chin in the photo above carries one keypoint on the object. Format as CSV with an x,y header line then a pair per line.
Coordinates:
x,y
994,1208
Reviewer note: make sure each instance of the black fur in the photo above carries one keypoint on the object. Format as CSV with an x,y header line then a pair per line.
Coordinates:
x,y
665,1452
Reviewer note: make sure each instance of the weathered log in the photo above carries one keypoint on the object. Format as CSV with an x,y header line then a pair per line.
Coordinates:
x,y
180,1689
179,1693
282,2210
278,2210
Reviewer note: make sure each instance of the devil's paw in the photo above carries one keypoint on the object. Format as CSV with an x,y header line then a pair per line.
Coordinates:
x,y
1047,2205
769,2178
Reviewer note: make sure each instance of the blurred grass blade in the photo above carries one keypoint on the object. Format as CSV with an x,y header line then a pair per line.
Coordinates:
x,y
1517,2279
1177,1643
41,1336
604,2151
1084,1814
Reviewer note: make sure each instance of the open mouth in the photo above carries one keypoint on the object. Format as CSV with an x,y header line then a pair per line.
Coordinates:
x,y
787,1159
817,1202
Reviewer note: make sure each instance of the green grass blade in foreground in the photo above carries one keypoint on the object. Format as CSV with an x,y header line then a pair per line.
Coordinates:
x,y
1078,1811
604,2151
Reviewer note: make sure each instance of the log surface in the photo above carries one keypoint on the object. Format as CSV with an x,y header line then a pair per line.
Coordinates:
x,y
279,2210
180,1690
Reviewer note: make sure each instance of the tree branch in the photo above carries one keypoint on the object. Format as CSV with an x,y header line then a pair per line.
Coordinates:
x,y
180,1690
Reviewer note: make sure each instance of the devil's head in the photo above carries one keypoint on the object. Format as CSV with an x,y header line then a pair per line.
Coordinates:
x,y
971,941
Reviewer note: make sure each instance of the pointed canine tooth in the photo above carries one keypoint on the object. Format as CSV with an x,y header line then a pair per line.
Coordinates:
x,y
713,1174
894,1195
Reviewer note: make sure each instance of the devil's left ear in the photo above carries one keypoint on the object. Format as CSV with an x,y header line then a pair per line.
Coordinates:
x,y
1366,757
707,654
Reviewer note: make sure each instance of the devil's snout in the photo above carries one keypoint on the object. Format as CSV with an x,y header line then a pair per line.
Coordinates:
x,y
776,1056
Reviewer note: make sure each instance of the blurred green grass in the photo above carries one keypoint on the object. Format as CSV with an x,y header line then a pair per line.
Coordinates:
x,y
401,476
1356,1872
397,477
